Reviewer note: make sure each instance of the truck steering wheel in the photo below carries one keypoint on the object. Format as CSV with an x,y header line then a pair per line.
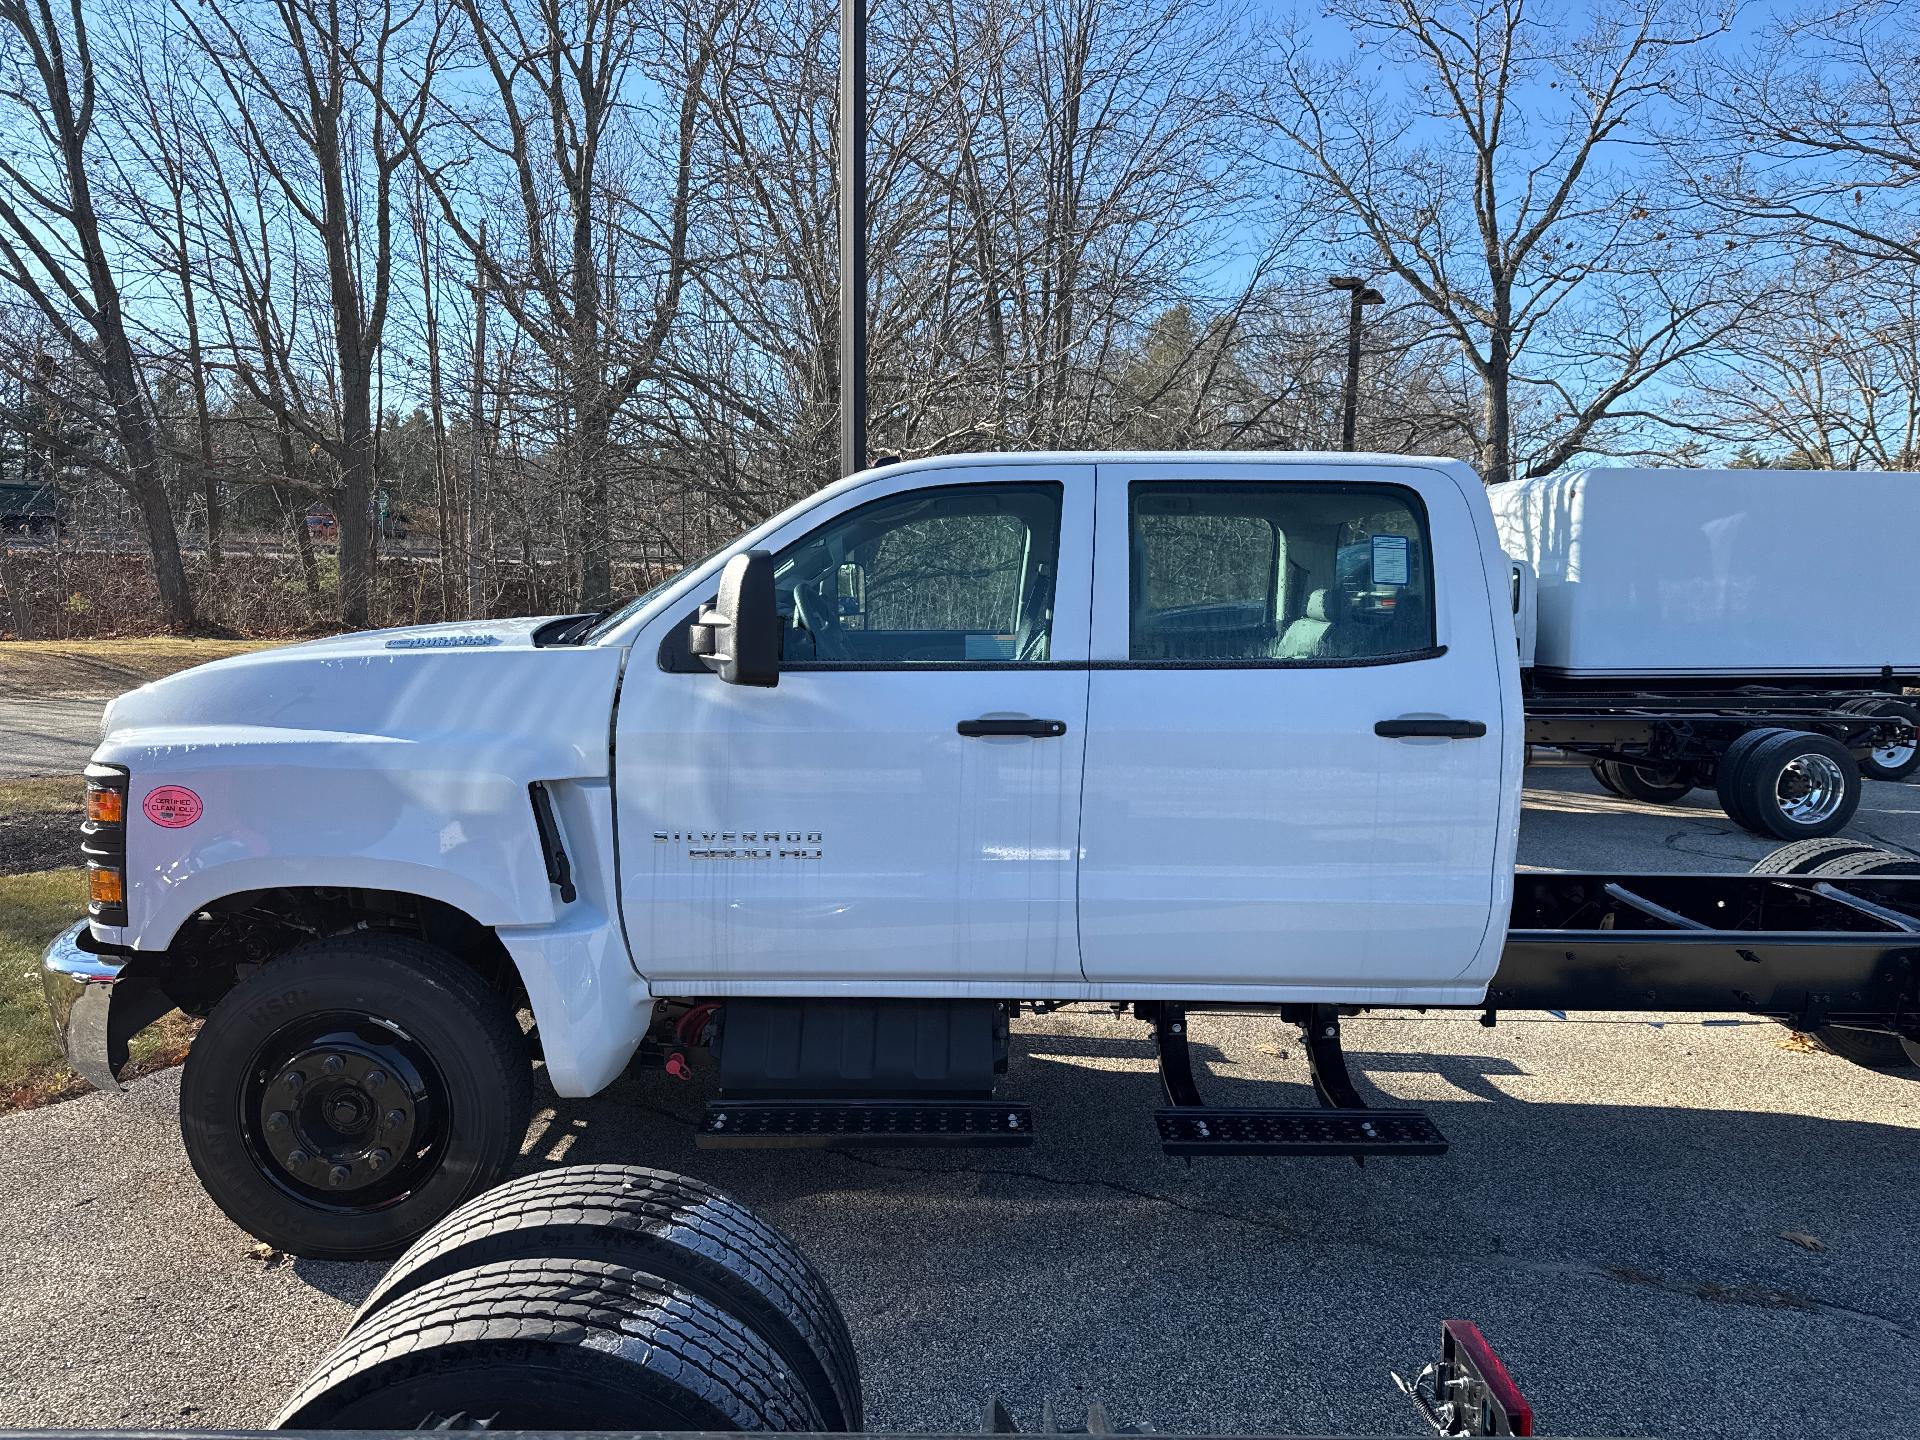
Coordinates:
x,y
824,626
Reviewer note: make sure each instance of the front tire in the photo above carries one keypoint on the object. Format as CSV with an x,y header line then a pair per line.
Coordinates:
x,y
350,1093
1890,762
1650,785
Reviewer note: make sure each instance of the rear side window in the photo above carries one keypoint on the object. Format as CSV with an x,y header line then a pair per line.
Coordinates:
x,y
1266,572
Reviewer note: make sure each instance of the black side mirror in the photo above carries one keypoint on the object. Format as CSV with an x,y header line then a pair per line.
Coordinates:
x,y
738,636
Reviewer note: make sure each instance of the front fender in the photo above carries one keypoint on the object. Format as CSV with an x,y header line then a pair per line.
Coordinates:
x,y
312,810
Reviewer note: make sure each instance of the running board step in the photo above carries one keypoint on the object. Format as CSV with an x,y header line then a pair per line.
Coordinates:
x,y
737,1124
1221,1130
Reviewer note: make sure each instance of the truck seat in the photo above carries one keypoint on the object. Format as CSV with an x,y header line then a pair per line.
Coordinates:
x,y
1306,637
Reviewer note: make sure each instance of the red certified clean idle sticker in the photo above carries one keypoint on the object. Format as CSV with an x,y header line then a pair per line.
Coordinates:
x,y
172,807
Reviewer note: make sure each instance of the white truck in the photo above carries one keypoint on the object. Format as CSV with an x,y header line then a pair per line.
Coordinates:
x,y
946,740
1746,631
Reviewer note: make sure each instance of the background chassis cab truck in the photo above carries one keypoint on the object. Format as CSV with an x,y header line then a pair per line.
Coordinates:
x,y
949,739
1680,630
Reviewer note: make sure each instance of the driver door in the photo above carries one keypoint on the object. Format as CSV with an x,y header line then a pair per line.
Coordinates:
x,y
858,829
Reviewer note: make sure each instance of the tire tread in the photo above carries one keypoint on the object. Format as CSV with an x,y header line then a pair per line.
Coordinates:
x,y
695,1236
524,1311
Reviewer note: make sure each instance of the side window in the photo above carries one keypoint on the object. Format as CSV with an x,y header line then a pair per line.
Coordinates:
x,y
964,573
1272,572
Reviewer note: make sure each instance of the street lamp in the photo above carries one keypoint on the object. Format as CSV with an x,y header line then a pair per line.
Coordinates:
x,y
1359,294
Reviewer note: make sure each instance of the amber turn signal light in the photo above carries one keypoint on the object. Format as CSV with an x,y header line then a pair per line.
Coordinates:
x,y
105,887
106,807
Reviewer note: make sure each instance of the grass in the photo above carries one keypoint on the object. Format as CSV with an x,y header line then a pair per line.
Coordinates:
x,y
55,669
42,795
33,909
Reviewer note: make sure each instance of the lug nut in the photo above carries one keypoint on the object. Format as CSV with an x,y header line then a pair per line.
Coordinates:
x,y
396,1118
378,1159
279,1120
339,1175
297,1158
293,1080
333,1064
375,1079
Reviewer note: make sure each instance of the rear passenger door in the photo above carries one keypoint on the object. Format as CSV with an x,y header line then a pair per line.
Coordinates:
x,y
1244,824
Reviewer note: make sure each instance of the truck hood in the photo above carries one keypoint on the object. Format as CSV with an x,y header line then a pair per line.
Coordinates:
x,y
449,682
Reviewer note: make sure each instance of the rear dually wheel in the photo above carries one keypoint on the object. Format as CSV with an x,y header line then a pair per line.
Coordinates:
x,y
1841,859
1792,785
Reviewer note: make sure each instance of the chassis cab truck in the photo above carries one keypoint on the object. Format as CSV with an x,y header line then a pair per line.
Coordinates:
x,y
1677,632
948,739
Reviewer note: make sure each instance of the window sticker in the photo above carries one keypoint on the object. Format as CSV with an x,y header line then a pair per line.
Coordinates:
x,y
1390,559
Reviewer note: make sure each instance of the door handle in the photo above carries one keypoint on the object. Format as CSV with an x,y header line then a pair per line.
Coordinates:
x,y
1037,729
1431,729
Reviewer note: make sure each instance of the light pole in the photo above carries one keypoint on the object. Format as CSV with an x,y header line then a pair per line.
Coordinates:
x,y
853,236
1359,294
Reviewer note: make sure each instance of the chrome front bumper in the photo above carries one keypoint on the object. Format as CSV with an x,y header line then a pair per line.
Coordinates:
x,y
81,992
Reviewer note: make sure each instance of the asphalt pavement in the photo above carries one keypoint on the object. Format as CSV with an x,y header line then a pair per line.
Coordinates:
x,y
1678,1229
47,737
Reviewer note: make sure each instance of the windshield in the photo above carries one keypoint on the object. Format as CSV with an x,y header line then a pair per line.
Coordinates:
x,y
615,617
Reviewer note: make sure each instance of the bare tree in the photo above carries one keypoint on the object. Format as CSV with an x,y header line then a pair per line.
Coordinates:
x,y
328,100
1827,377
54,251
1810,136
604,205
1503,187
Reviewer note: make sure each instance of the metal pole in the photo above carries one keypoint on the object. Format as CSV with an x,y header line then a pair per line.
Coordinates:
x,y
477,420
1350,412
853,236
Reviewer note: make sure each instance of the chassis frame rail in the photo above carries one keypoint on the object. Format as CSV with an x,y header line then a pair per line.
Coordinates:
x,y
1803,949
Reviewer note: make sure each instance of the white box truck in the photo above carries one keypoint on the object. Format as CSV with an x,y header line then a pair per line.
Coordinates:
x,y
1738,629
946,740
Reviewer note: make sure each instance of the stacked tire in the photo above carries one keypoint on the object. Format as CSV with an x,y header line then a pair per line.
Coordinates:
x,y
1835,859
605,1297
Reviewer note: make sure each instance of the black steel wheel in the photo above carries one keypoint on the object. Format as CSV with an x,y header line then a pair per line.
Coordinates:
x,y
1895,760
555,1345
1798,785
347,1095
669,1226
1652,784
344,1110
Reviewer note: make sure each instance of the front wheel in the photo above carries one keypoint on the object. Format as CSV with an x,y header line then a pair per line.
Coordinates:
x,y
1894,759
347,1095
1651,784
